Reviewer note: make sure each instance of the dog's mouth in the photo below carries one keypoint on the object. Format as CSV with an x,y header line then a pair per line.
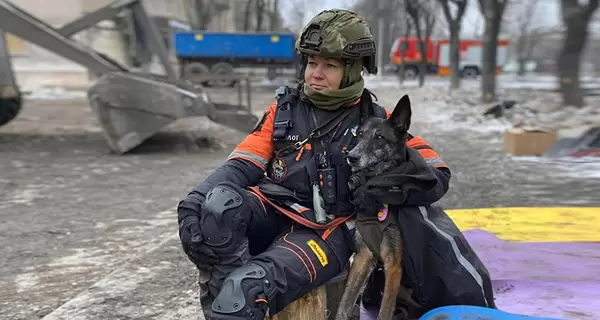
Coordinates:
x,y
353,167
356,169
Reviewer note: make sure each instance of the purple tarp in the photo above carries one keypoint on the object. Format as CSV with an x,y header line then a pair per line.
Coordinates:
x,y
544,279
550,279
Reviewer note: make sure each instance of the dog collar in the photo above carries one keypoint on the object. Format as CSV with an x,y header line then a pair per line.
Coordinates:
x,y
383,212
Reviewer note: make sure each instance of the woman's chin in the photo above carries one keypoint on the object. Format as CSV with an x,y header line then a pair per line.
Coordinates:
x,y
318,88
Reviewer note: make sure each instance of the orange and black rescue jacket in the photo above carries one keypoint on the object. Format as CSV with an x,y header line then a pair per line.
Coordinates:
x,y
261,152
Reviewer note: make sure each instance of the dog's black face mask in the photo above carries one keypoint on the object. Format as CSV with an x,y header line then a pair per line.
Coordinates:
x,y
382,143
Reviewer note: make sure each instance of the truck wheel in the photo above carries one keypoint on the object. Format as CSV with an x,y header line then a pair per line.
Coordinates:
x,y
410,73
194,71
470,73
223,69
9,109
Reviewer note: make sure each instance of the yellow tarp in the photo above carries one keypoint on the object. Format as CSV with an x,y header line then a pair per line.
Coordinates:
x,y
533,224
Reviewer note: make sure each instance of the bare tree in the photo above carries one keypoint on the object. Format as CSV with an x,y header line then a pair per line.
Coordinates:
x,y
492,11
407,32
454,24
297,12
423,17
393,19
274,16
199,13
259,12
576,18
248,15
522,20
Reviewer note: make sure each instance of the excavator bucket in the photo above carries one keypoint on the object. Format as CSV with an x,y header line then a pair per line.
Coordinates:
x,y
130,107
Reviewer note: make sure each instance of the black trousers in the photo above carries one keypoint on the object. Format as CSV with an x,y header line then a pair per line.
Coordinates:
x,y
297,259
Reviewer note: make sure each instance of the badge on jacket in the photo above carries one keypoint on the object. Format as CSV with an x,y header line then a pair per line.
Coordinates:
x,y
278,169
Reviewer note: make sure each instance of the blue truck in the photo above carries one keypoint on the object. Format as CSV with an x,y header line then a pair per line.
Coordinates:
x,y
219,53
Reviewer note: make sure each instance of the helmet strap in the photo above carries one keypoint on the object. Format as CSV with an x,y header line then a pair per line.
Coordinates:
x,y
346,77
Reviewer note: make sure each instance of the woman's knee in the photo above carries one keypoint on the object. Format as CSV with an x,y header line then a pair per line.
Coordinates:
x,y
225,216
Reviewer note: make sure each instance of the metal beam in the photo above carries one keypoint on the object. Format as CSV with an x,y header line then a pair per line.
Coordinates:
x,y
16,21
152,37
92,18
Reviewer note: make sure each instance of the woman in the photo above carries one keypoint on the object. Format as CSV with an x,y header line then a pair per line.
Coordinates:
x,y
259,249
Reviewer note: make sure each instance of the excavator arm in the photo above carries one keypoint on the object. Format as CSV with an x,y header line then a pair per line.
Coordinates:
x,y
10,97
130,107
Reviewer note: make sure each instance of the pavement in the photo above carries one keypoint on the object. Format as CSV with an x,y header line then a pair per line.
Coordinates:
x,y
92,235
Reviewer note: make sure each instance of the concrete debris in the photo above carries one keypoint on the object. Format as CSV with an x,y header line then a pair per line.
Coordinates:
x,y
520,108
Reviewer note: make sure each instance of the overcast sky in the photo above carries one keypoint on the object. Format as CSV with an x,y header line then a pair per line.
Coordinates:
x,y
547,13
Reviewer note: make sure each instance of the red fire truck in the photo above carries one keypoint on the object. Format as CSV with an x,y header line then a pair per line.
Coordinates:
x,y
438,56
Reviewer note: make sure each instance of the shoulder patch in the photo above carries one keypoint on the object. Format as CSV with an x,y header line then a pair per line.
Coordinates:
x,y
260,122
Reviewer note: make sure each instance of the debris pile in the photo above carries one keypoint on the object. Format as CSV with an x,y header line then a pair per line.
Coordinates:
x,y
522,108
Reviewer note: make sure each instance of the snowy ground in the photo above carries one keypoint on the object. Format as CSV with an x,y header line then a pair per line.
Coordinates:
x,y
536,104
91,235
460,111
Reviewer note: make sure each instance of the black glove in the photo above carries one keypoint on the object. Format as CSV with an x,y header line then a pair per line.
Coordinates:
x,y
363,201
192,240
392,187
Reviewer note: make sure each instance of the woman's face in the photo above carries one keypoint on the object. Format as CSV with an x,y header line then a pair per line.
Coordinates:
x,y
323,73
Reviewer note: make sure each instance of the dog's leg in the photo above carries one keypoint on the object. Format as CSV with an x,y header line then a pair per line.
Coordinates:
x,y
391,254
312,306
361,268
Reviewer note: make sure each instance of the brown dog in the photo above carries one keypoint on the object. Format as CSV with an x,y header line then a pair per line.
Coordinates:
x,y
381,142
381,146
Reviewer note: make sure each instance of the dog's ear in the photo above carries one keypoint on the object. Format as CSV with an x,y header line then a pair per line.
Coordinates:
x,y
400,118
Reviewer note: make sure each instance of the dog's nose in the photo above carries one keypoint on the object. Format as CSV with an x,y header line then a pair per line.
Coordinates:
x,y
352,159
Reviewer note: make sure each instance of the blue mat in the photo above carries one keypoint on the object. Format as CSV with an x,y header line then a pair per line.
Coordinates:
x,y
474,313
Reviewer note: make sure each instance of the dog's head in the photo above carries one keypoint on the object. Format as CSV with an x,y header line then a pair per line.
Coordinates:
x,y
382,143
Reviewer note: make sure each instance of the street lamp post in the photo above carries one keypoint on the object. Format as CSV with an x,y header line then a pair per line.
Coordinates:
x,y
380,27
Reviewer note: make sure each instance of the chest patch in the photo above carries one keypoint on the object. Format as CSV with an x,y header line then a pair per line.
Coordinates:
x,y
279,169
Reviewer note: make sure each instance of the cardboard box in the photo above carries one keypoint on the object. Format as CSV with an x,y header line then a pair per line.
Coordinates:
x,y
528,141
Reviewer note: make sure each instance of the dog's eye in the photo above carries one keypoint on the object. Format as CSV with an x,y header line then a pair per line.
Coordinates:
x,y
378,136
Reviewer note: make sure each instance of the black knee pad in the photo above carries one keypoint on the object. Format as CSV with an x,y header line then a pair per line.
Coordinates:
x,y
223,222
234,296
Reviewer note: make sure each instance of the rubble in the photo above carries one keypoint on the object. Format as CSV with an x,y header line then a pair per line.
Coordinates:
x,y
522,108
544,110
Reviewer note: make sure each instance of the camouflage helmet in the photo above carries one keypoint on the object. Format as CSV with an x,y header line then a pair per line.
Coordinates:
x,y
341,34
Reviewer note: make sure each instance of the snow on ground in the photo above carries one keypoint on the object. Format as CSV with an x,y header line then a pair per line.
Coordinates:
x,y
536,105
58,66
569,167
55,93
460,110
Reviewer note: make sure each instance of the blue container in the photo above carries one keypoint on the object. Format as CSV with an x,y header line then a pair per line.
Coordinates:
x,y
245,46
